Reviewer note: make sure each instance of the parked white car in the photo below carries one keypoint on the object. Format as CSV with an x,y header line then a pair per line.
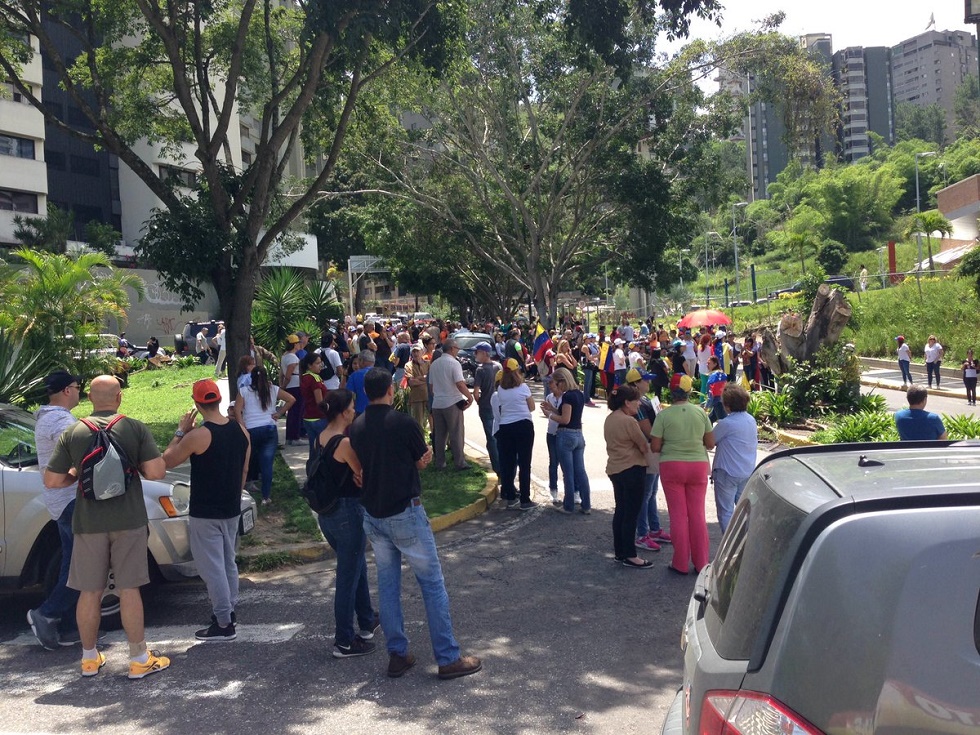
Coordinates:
x,y
30,550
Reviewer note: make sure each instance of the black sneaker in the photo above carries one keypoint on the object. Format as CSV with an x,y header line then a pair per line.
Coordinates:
x,y
214,633
528,505
45,629
368,633
514,504
357,647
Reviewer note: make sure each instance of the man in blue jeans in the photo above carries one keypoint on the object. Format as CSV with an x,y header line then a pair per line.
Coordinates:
x,y
392,450
53,622
484,385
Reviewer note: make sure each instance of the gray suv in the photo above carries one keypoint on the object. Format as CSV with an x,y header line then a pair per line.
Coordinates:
x,y
844,598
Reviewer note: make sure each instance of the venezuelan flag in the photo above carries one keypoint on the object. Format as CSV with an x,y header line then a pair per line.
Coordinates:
x,y
542,343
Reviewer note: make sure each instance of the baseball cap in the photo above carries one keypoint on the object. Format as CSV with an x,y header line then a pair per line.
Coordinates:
x,y
59,380
617,341
484,346
292,339
206,391
900,337
633,375
685,383
511,364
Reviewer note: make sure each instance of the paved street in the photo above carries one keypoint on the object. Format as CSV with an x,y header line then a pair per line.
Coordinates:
x,y
570,641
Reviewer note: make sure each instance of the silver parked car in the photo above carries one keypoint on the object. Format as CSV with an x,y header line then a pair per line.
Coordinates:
x,y
844,598
30,550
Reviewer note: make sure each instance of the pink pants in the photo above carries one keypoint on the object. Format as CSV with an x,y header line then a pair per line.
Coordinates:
x,y
685,486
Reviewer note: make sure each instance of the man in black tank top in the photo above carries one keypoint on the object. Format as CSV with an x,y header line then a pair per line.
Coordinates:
x,y
218,450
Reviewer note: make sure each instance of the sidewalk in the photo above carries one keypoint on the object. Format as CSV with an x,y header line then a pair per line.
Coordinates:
x,y
885,374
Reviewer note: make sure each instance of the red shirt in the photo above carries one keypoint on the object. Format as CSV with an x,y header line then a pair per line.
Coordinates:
x,y
307,384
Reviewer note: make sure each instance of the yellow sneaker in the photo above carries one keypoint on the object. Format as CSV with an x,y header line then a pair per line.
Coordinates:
x,y
91,666
153,664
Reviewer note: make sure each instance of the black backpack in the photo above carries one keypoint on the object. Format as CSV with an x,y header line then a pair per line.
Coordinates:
x,y
322,488
328,370
106,470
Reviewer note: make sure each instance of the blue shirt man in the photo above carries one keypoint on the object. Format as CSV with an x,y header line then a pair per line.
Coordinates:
x,y
355,383
915,423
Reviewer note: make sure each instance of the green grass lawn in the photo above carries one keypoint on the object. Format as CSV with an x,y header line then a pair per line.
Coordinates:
x,y
159,398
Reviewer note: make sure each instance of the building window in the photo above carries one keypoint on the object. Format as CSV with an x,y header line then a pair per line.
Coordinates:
x,y
84,165
11,145
84,215
246,158
77,117
18,201
183,176
11,93
55,160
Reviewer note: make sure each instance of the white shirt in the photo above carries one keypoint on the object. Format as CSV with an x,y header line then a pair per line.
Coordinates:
x,y
619,359
333,357
904,353
290,359
444,373
511,404
253,416
933,352
220,340
636,360
689,353
703,356
554,401
626,332
51,423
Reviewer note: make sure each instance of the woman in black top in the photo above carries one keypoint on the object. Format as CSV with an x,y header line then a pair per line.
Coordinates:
x,y
570,442
343,528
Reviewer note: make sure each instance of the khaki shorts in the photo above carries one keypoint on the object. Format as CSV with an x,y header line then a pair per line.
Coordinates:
x,y
94,553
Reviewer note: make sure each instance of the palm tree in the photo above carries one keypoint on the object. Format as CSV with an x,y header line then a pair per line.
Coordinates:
x,y
52,295
926,223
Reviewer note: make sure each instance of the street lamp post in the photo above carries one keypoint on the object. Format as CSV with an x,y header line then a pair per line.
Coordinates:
x,y
881,265
736,205
680,268
707,267
918,210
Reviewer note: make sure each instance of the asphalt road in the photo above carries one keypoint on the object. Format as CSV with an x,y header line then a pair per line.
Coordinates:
x,y
571,642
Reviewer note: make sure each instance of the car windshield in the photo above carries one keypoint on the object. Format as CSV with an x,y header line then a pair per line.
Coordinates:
x,y
17,438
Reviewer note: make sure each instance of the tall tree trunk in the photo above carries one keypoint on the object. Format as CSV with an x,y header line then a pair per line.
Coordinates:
x,y
237,310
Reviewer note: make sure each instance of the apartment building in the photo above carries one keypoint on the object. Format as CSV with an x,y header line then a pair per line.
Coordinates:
x,y
41,165
863,76
928,68
23,177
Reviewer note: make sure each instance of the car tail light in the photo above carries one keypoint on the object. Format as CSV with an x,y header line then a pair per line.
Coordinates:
x,y
750,713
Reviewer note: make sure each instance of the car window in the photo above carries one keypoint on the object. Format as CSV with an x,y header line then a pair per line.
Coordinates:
x,y
16,442
749,562
469,341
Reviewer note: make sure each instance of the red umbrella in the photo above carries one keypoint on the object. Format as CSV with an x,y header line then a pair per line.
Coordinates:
x,y
704,318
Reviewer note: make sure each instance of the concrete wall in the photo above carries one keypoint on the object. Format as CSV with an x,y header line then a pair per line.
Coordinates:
x,y
158,314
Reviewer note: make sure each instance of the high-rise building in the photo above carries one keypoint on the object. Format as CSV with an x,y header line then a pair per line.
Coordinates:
x,y
863,77
23,179
927,69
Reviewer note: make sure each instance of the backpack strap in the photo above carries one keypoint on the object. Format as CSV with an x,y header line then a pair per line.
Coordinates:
x,y
89,424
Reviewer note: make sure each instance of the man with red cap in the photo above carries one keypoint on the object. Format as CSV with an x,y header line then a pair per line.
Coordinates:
x,y
218,450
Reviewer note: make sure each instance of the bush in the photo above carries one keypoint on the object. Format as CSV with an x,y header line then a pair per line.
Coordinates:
x,y
832,257
830,384
964,426
866,426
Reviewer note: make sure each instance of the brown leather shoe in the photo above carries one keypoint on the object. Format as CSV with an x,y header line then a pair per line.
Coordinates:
x,y
464,666
398,665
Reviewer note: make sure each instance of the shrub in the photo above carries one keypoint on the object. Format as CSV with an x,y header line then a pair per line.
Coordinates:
x,y
832,256
830,384
964,426
866,426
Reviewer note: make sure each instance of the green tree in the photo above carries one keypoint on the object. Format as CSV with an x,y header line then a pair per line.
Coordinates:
x,y
50,233
53,295
172,76
926,223
102,238
920,122
966,107
832,256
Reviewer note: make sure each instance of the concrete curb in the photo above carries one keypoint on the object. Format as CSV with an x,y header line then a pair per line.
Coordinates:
x,y
314,551
892,385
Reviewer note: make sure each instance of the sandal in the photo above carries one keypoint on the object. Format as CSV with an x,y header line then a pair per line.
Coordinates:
x,y
634,565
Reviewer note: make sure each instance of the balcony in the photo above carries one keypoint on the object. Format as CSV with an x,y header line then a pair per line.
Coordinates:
x,y
21,120
23,174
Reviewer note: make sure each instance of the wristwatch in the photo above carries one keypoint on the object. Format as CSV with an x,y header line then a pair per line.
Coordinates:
x,y
179,433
